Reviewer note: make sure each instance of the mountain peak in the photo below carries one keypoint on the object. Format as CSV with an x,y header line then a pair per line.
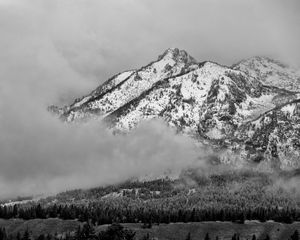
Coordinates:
x,y
177,55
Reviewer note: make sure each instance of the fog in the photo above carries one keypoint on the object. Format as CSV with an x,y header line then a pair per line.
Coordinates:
x,y
53,51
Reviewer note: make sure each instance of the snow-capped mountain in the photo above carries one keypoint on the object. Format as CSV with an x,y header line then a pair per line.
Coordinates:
x,y
129,85
249,109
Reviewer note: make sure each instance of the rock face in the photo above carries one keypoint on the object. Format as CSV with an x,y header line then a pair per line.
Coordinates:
x,y
274,136
250,109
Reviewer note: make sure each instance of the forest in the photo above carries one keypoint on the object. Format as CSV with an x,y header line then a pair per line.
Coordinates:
x,y
229,196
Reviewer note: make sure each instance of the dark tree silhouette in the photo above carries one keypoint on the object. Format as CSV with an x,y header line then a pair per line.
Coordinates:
x,y
207,237
117,232
295,235
26,235
188,237
267,237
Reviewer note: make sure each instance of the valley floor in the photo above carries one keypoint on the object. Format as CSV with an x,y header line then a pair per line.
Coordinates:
x,y
224,230
172,231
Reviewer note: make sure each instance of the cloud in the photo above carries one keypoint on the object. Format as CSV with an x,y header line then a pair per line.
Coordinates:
x,y
287,183
40,154
101,38
52,51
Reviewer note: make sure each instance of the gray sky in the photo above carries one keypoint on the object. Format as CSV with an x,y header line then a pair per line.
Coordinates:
x,y
98,38
54,50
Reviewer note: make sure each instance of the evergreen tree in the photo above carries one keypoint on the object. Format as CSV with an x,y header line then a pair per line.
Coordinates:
x,y
41,237
88,231
146,237
3,235
49,237
188,237
26,235
78,234
39,211
235,237
267,237
18,236
254,237
15,211
207,237
295,235
116,232
68,236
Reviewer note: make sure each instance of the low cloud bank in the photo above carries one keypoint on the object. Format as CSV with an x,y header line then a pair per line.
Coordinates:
x,y
40,154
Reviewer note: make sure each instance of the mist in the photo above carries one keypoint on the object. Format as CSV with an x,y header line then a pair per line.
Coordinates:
x,y
54,51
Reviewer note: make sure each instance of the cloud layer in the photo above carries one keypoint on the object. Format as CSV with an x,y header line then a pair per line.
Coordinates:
x,y
52,51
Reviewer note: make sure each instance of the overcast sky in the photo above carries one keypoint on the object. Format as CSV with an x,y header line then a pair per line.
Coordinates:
x,y
98,38
52,51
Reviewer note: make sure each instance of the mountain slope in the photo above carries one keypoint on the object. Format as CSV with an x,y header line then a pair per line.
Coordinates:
x,y
184,100
128,85
212,103
271,72
275,135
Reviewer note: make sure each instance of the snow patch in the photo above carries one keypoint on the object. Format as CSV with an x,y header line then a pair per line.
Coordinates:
x,y
289,109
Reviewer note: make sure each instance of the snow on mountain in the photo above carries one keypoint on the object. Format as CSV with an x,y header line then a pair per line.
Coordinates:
x,y
126,86
114,81
183,100
271,72
217,105
210,101
274,136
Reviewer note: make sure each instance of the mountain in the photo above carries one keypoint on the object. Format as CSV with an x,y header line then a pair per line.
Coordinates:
x,y
271,72
243,110
124,87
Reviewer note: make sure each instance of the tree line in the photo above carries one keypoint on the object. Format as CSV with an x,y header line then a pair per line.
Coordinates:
x,y
100,214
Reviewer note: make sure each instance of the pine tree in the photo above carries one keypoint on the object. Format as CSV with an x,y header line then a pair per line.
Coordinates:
x,y
267,237
1,234
88,231
4,234
146,237
41,237
235,237
68,236
49,237
18,236
295,235
188,237
15,211
253,237
78,235
207,237
26,235
39,211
